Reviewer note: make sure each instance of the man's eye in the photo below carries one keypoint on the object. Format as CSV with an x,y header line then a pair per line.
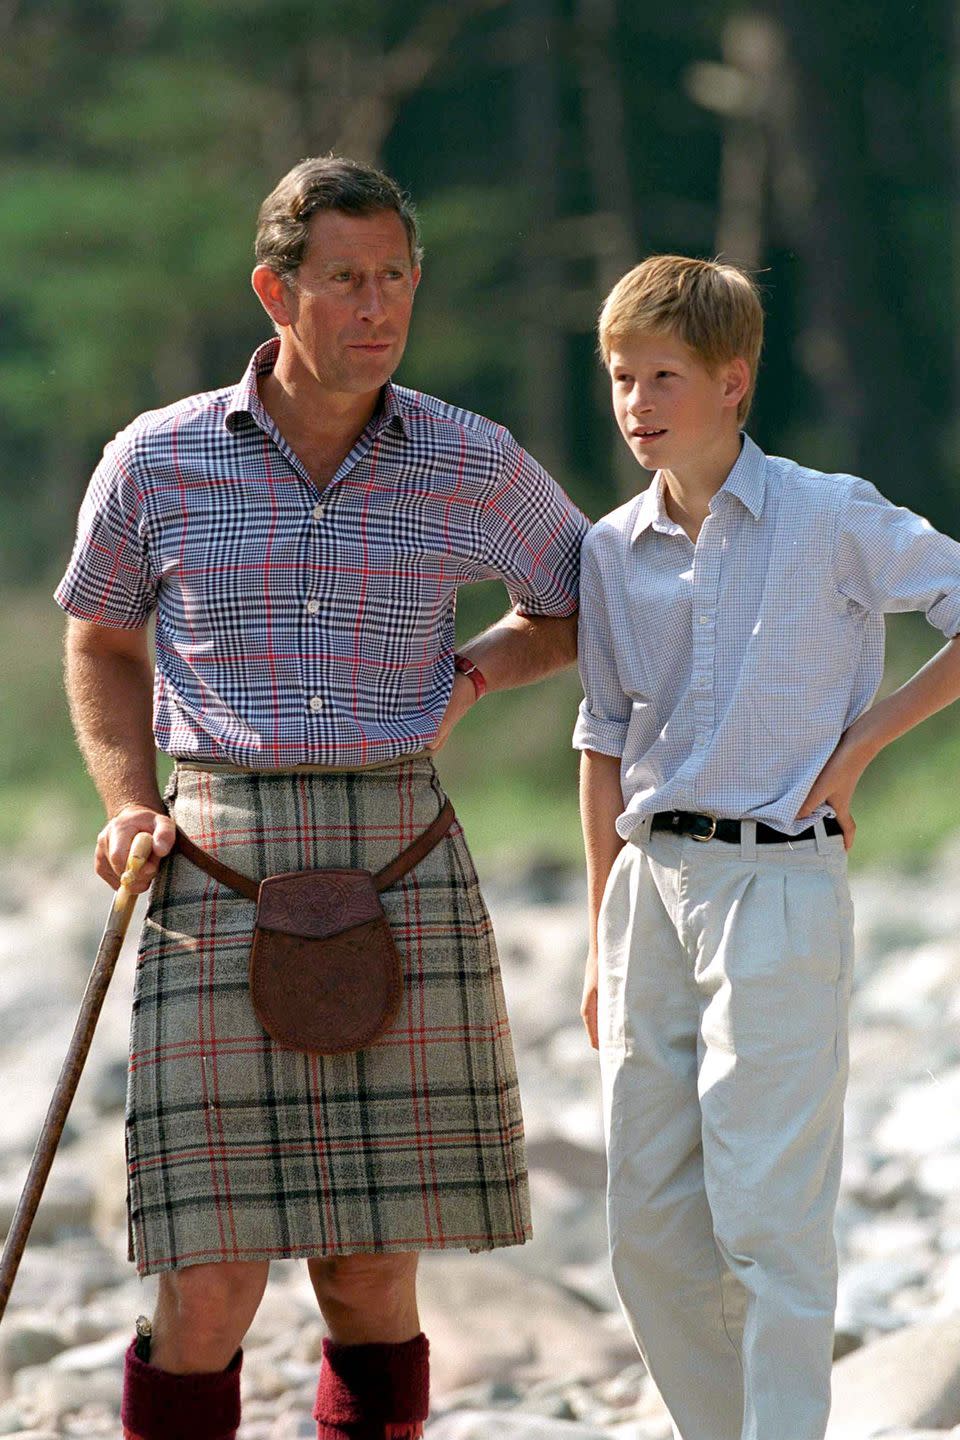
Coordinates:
x,y
665,374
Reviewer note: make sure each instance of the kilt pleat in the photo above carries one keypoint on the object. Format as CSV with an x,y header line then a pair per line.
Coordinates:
x,y
241,1149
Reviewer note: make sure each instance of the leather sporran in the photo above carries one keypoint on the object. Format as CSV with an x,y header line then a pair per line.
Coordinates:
x,y
325,974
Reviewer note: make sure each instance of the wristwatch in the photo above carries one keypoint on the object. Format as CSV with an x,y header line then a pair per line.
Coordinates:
x,y
467,667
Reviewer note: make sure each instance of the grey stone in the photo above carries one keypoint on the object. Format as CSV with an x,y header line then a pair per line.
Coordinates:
x,y
108,1094
35,1434
909,1378
100,1355
508,1425
293,1427
51,1392
66,1207
12,1418
28,1341
487,1320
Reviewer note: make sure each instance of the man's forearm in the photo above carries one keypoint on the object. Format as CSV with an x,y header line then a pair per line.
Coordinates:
x,y
519,649
110,694
601,802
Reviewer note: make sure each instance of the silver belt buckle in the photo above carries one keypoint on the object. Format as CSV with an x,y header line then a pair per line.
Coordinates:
x,y
702,839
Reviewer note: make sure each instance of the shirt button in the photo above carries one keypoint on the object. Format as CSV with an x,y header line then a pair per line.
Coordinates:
x,y
704,619
313,606
316,702
317,511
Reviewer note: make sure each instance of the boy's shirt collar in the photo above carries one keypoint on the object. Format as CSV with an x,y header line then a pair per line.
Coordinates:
x,y
746,481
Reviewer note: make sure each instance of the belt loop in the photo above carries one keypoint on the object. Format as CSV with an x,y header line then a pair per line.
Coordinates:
x,y
820,835
641,832
748,839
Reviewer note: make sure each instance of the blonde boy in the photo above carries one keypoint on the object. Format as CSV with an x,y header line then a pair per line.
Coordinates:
x,y
731,643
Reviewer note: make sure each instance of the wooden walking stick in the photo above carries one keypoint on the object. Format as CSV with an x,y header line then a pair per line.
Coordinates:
x,y
90,1007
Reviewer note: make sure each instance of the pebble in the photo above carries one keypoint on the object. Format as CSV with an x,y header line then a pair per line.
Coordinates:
x,y
527,1343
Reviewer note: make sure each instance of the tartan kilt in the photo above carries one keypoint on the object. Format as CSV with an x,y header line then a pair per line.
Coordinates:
x,y
240,1149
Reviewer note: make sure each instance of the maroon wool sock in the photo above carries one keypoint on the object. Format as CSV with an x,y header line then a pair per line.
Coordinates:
x,y
373,1392
160,1406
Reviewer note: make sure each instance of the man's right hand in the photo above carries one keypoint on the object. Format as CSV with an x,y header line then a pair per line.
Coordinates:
x,y
116,837
588,1005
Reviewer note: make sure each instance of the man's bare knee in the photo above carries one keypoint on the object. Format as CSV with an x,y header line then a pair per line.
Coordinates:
x,y
364,1295
203,1313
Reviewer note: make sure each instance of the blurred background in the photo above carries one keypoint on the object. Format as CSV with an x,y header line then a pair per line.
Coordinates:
x,y
549,144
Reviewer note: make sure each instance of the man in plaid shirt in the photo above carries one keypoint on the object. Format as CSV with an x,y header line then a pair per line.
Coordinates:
x,y
300,539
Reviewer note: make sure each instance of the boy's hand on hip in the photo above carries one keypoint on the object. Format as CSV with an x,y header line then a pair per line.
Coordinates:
x,y
835,784
588,1005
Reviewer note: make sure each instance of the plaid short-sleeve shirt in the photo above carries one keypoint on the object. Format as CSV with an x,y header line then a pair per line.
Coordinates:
x,y
304,626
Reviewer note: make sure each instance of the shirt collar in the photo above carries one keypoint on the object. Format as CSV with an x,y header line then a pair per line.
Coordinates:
x,y
746,481
245,397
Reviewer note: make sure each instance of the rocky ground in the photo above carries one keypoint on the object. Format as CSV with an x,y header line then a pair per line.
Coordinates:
x,y
527,1344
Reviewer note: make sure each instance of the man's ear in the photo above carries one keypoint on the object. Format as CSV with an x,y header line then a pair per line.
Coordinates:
x,y
274,295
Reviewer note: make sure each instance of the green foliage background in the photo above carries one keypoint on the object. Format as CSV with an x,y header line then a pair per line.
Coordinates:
x,y
549,143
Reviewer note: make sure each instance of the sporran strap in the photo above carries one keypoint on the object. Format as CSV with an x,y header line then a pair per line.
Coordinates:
x,y
383,879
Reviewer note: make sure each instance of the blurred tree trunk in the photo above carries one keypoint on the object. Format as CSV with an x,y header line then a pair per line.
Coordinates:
x,y
954,427
751,49
541,340
615,225
822,122
347,92
811,187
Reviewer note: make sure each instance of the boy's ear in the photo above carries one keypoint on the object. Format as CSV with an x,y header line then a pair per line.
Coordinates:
x,y
736,381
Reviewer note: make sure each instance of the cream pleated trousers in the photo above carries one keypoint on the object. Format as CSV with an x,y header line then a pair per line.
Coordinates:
x,y
725,974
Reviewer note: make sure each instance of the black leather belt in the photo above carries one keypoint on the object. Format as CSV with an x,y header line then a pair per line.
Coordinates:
x,y
708,827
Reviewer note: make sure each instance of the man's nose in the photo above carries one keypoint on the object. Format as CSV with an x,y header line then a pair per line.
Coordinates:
x,y
370,304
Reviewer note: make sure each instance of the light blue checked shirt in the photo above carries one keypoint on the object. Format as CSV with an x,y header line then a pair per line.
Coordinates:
x,y
724,673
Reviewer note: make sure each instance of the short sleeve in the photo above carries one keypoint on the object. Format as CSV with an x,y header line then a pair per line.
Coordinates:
x,y
889,559
108,580
604,715
532,535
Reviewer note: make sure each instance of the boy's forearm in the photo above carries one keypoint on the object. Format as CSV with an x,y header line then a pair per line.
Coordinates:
x,y
601,802
935,685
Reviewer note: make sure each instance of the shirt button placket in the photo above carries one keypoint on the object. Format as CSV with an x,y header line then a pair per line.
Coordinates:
x,y
706,583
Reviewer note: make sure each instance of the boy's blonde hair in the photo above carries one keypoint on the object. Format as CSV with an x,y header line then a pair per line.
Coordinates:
x,y
713,307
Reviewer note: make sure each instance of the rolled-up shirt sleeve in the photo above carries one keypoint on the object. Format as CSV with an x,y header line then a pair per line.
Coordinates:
x,y
604,715
108,580
889,559
532,534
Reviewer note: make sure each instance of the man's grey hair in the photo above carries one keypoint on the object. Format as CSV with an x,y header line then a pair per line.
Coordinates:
x,y
326,182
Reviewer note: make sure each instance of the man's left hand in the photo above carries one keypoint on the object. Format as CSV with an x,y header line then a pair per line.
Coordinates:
x,y
462,697
835,784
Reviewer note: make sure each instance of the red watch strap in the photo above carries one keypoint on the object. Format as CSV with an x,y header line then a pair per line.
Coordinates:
x,y
467,667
